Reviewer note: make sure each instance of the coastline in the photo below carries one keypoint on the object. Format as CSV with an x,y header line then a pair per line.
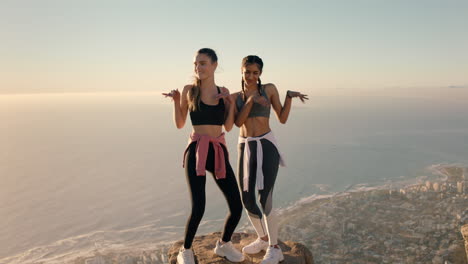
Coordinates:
x,y
416,223
338,227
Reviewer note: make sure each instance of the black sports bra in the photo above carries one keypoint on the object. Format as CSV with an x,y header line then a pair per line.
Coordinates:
x,y
209,114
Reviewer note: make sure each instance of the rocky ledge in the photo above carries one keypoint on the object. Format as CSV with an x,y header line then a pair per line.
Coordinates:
x,y
203,246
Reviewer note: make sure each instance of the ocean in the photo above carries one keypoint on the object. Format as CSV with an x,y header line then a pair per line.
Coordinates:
x,y
81,172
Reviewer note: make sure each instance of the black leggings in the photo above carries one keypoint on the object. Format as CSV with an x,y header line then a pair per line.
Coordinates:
x,y
196,185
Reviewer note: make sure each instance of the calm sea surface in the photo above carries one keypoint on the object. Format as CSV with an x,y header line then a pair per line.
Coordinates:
x,y
93,170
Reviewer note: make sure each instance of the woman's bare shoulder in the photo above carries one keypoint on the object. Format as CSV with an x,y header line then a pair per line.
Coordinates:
x,y
269,86
270,89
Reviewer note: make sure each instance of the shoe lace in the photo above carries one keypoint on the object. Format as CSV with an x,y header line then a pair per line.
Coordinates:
x,y
258,242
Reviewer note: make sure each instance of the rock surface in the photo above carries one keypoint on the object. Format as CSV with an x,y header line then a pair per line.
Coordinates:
x,y
294,253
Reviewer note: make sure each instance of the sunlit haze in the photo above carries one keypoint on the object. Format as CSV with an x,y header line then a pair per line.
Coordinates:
x,y
320,47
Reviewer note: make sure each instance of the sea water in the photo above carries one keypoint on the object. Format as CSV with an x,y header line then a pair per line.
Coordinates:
x,y
79,172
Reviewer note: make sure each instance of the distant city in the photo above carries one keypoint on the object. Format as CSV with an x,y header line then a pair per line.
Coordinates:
x,y
416,224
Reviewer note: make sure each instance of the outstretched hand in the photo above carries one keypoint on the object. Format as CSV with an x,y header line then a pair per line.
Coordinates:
x,y
302,97
174,94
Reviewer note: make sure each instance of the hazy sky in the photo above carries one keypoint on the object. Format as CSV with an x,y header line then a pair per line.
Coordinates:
x,y
321,47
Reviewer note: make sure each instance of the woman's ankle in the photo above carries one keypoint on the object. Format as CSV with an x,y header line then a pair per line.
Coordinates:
x,y
222,242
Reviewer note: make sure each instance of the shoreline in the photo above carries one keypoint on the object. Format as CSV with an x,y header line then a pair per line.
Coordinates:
x,y
417,223
319,204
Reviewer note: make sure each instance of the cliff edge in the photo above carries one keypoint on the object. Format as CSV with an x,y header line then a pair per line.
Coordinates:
x,y
294,253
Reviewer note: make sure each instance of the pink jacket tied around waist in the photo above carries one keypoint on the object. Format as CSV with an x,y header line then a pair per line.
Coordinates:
x,y
203,143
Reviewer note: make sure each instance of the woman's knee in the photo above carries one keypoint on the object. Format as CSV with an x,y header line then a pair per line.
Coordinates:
x,y
198,211
266,204
250,206
236,208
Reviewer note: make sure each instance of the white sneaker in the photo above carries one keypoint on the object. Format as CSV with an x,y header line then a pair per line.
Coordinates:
x,y
229,251
256,246
185,256
273,256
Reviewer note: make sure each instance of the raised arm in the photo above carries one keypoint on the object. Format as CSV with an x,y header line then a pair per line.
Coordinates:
x,y
180,105
181,108
282,111
241,116
229,116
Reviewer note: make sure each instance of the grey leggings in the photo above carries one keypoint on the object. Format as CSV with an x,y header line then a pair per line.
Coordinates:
x,y
271,160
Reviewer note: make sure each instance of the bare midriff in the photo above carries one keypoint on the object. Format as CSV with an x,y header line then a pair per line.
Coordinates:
x,y
209,130
255,126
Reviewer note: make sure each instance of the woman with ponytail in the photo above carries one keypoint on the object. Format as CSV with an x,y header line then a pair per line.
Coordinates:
x,y
259,158
210,108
